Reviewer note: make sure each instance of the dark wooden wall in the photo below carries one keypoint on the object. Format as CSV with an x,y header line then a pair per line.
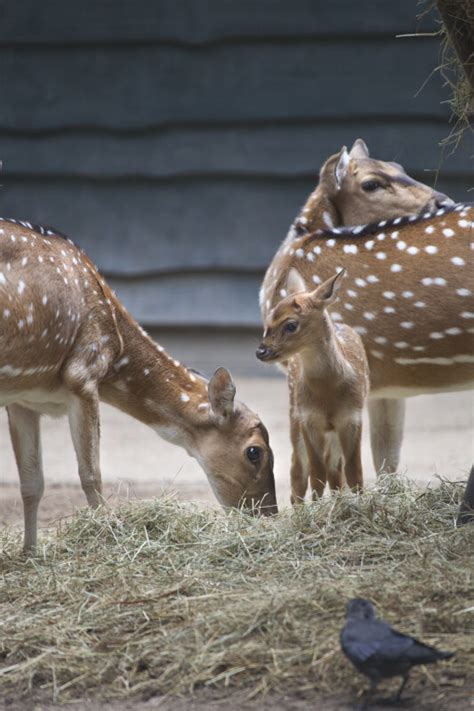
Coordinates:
x,y
175,139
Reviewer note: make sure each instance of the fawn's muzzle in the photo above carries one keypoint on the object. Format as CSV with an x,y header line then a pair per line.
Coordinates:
x,y
265,353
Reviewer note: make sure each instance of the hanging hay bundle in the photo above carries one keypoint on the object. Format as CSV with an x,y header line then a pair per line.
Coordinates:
x,y
457,62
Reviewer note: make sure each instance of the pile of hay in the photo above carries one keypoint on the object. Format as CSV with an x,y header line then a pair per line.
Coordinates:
x,y
162,597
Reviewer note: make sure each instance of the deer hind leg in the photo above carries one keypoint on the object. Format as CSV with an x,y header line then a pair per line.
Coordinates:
x,y
386,432
83,413
351,438
26,439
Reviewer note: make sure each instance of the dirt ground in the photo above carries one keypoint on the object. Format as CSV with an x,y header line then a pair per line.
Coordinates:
x,y
437,700
137,464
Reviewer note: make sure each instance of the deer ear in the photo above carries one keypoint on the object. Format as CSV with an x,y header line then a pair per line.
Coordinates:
x,y
359,150
295,282
341,167
221,391
327,292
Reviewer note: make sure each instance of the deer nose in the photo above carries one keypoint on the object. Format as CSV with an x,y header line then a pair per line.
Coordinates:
x,y
442,200
262,352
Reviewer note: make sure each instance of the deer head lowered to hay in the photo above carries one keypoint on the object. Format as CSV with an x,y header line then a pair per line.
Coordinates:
x,y
67,342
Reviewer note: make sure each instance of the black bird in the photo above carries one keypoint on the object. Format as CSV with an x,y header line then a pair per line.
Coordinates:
x,y
379,651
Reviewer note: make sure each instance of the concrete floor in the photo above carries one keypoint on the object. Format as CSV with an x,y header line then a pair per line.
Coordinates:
x,y
136,463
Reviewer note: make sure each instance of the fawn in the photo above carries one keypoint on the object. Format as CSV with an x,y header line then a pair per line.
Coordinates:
x,y
328,380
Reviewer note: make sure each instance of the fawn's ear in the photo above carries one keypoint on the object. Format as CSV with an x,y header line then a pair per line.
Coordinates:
x,y
221,391
327,292
342,166
295,282
359,150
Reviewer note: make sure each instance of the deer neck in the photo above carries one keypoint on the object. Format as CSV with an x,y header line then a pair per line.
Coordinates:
x,y
319,212
323,356
153,387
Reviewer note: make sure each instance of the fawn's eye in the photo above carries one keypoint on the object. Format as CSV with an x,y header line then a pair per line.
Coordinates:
x,y
290,326
370,185
254,454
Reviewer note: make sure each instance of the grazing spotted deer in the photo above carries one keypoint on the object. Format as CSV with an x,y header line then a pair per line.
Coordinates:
x,y
328,381
409,294
67,342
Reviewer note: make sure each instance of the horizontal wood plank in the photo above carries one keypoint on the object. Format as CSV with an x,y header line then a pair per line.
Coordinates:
x,y
56,21
135,88
227,300
279,151
137,227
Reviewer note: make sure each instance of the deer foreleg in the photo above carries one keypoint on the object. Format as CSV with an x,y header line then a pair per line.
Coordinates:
x,y
298,472
351,438
84,424
386,432
25,435
316,465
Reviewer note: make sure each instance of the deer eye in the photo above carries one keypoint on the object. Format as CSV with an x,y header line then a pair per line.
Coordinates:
x,y
254,454
370,185
290,327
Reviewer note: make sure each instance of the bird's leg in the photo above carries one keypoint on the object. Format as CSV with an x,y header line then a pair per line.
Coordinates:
x,y
368,695
398,695
396,699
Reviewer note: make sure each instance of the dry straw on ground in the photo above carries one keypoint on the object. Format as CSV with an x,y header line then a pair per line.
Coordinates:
x,y
162,597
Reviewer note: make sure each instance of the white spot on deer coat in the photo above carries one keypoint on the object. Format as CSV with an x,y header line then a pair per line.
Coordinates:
x,y
448,232
413,250
396,268
21,286
458,261
463,292
431,249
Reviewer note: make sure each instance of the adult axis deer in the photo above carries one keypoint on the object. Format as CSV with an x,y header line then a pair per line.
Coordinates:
x,y
410,286
328,379
66,341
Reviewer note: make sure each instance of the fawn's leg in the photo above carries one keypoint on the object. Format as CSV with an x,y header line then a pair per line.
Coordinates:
x,y
351,437
333,459
299,472
386,432
26,439
84,425
316,465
